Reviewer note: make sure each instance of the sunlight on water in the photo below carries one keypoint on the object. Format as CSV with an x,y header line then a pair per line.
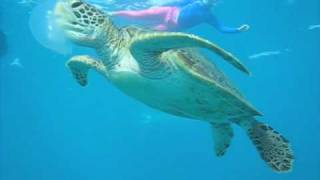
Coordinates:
x,y
313,27
268,53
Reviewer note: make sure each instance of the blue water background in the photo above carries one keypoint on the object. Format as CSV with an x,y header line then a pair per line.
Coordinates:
x,y
53,129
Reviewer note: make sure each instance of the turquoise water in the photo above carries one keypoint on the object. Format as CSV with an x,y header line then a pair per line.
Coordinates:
x,y
53,129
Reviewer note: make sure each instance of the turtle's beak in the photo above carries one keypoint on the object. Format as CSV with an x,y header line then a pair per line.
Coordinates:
x,y
64,15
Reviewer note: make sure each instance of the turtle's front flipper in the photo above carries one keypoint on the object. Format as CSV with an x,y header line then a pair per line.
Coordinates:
x,y
154,44
80,65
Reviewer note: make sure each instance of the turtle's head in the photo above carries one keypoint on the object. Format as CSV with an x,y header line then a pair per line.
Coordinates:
x,y
83,23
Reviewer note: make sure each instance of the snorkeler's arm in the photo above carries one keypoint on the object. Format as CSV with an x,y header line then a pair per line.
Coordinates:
x,y
212,20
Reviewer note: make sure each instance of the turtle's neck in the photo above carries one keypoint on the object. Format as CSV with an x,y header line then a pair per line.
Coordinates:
x,y
109,49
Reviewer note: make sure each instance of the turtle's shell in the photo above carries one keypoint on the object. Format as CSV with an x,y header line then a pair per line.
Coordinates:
x,y
208,70
199,67
195,88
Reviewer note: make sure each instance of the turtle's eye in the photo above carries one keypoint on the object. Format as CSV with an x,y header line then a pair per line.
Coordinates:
x,y
76,4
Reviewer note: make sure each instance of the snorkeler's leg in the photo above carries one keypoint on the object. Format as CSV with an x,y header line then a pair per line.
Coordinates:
x,y
225,29
152,13
163,17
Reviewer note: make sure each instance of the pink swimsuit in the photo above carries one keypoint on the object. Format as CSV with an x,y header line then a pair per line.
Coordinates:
x,y
165,17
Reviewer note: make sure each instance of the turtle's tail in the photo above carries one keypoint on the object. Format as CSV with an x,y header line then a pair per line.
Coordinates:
x,y
273,148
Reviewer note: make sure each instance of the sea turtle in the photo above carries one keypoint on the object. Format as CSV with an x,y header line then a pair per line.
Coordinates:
x,y
165,72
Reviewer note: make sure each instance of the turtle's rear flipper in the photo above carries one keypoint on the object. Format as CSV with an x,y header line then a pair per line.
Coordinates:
x,y
80,65
153,44
274,149
222,135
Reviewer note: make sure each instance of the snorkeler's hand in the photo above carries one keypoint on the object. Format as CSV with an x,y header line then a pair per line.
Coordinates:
x,y
244,28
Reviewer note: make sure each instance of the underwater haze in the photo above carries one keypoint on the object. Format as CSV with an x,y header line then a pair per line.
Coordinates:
x,y
53,129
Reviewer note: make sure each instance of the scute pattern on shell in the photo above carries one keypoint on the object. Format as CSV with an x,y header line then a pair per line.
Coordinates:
x,y
202,66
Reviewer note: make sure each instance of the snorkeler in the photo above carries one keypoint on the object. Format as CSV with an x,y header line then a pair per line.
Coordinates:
x,y
180,15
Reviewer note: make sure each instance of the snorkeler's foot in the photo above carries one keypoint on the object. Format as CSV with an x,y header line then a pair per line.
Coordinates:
x,y
244,28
